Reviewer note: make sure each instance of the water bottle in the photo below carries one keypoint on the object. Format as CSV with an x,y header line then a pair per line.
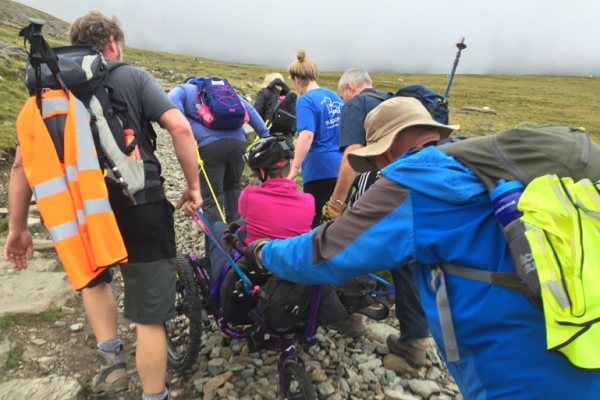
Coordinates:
x,y
505,199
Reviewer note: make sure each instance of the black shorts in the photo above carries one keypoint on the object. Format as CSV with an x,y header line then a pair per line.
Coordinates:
x,y
150,275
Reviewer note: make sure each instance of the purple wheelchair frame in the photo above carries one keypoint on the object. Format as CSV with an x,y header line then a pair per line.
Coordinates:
x,y
277,340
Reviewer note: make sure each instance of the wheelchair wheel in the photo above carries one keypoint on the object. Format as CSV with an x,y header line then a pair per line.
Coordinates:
x,y
299,385
185,330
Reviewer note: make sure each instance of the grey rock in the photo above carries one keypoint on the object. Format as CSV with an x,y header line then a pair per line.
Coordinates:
x,y
234,367
33,293
325,389
76,327
369,376
41,388
440,397
248,373
380,332
433,356
263,390
390,375
380,372
423,388
433,373
216,362
344,387
479,110
370,365
383,349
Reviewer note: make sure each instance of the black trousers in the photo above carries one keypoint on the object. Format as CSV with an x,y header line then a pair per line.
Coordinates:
x,y
321,190
409,310
224,166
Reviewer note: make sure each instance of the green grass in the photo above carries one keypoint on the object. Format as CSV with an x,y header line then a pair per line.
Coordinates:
x,y
50,316
3,226
13,359
82,383
29,319
59,268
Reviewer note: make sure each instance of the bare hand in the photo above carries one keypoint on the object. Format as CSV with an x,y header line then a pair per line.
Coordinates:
x,y
293,173
18,248
190,200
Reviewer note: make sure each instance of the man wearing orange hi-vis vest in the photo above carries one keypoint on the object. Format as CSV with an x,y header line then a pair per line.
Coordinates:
x,y
91,112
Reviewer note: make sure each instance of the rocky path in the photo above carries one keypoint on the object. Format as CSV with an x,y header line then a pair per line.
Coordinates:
x,y
51,355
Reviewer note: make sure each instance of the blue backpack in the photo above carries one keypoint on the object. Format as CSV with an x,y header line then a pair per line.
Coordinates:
x,y
218,105
432,101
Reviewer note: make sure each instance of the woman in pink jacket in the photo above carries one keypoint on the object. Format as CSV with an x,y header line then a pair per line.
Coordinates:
x,y
274,210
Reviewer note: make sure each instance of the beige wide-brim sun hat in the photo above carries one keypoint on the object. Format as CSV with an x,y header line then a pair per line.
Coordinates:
x,y
383,125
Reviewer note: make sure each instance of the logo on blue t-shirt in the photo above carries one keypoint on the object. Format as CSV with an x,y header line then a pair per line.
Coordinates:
x,y
334,107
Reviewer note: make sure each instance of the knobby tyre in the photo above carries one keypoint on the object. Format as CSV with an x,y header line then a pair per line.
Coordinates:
x,y
299,384
185,330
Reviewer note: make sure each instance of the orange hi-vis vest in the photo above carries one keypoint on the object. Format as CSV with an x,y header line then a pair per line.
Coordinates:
x,y
71,195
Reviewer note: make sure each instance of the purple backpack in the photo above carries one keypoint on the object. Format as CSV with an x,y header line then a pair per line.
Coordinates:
x,y
218,105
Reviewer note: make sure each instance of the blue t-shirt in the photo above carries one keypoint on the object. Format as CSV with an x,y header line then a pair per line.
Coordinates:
x,y
318,111
352,118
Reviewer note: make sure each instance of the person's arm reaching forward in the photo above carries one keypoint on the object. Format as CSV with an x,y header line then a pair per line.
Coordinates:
x,y
185,148
256,121
19,244
375,235
305,139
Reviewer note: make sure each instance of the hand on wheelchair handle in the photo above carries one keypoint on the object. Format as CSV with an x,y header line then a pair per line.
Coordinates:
x,y
250,255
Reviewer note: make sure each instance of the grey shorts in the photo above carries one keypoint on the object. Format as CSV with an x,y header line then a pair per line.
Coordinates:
x,y
150,291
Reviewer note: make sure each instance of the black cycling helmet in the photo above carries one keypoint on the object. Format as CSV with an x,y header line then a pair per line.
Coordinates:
x,y
267,152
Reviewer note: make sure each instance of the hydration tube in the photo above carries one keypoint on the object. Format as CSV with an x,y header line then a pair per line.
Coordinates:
x,y
201,221
386,283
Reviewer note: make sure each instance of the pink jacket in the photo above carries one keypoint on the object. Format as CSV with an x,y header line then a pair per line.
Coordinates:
x,y
275,210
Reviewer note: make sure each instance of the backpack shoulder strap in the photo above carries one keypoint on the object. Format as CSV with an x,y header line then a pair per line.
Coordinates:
x,y
116,65
375,96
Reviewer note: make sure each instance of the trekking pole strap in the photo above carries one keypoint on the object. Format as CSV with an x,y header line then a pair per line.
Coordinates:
x,y
201,165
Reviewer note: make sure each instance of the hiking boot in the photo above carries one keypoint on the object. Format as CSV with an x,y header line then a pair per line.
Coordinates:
x,y
113,373
414,353
351,326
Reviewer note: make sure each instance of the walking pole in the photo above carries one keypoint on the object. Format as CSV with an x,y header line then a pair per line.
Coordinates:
x,y
461,46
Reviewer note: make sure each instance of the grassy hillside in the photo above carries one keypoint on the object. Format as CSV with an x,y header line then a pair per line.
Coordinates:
x,y
539,100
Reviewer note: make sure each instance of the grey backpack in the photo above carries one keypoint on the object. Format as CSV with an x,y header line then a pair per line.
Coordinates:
x,y
85,72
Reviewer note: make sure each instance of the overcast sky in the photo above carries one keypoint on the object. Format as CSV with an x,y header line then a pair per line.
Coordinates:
x,y
503,37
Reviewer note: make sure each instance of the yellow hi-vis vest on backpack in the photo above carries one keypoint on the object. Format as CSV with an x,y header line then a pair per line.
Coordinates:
x,y
71,194
562,220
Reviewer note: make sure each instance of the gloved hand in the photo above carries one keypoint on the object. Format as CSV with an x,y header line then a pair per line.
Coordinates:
x,y
252,263
333,209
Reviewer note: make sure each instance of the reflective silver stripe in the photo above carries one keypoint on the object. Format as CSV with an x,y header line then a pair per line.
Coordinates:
x,y
64,231
443,306
49,188
72,173
467,273
56,104
82,121
96,206
87,162
80,217
556,288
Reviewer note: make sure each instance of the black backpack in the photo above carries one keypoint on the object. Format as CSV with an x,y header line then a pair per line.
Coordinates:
x,y
285,305
432,101
284,116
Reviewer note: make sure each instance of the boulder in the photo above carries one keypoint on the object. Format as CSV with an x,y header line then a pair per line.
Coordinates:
x,y
33,293
41,389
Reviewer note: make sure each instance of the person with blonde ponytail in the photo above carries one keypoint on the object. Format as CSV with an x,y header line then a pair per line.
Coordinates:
x,y
318,118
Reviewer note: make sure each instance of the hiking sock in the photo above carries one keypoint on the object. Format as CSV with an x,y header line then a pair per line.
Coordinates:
x,y
110,346
160,396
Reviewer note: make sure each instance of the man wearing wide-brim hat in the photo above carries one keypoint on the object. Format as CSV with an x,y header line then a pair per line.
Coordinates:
x,y
427,210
